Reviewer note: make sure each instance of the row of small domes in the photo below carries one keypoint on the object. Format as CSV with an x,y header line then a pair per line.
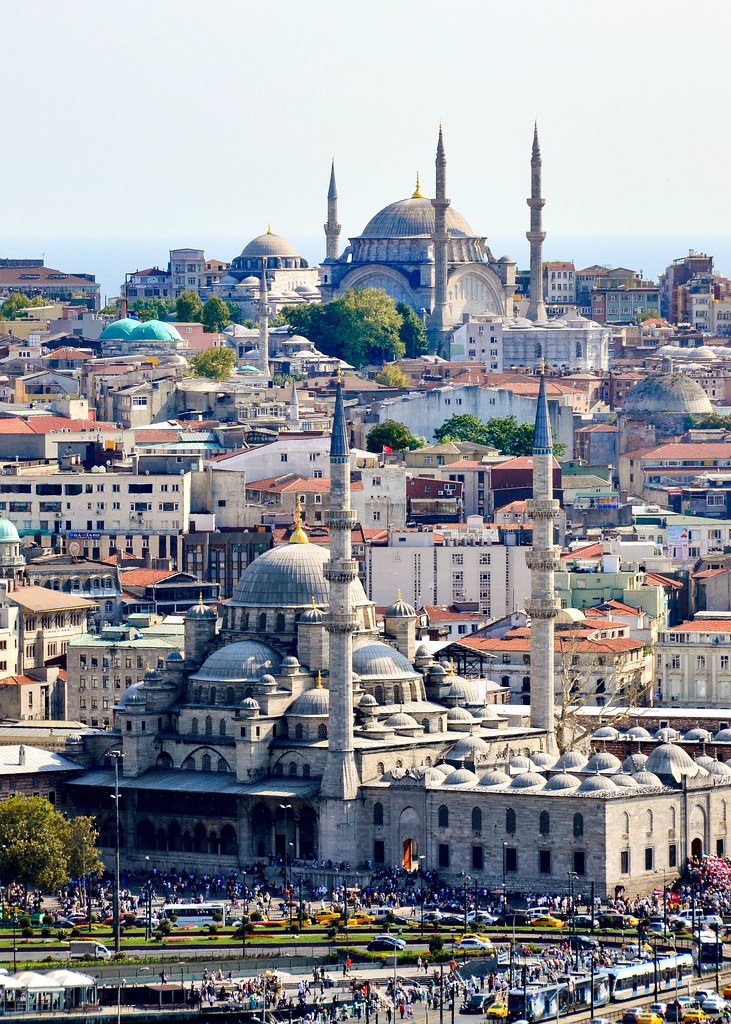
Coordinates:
x,y
665,735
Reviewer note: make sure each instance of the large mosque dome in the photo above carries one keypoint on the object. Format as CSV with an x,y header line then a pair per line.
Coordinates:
x,y
269,245
245,661
278,252
290,576
666,393
410,218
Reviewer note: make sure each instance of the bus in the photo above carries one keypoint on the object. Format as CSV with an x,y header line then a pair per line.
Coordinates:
x,y
195,914
630,980
710,948
570,993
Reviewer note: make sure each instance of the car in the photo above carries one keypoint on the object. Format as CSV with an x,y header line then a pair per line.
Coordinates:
x,y
387,943
547,921
680,923
453,919
694,1016
631,1016
648,1017
478,1002
600,1020
713,921
433,916
64,922
586,921
641,950
583,942
473,942
363,919
714,1006
701,994
481,917
518,920
659,1008
498,1011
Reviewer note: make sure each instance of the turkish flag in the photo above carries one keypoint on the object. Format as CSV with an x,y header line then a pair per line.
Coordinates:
x,y
387,450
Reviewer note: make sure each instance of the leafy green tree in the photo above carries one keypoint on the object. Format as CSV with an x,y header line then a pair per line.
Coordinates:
x,y
411,332
13,306
152,309
707,421
215,315
234,312
503,433
217,363
111,309
36,843
83,855
188,308
462,428
393,435
392,377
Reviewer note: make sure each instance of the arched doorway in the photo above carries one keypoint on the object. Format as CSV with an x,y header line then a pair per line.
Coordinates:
x,y
410,855
697,831
261,831
696,849
410,832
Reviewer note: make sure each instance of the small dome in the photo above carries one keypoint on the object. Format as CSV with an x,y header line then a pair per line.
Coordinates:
x,y
246,660
571,760
663,393
697,735
596,784
541,759
312,702
671,760
155,330
248,704
666,734
488,713
645,778
496,777
634,762
400,609
561,781
200,611
267,680
444,768
152,676
367,701
174,656
422,651
463,690
718,768
460,777
520,763
470,748
401,721
624,780
133,696
458,714
606,732
437,670
377,660
704,760
723,736
119,330
8,532
527,780
603,761
311,615
638,733
268,245
290,662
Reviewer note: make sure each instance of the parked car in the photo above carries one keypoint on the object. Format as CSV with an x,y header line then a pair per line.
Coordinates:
x,y
387,943
481,917
632,1016
694,1016
498,1011
648,1017
473,942
519,920
586,921
714,1006
583,942
659,1008
478,1002
547,921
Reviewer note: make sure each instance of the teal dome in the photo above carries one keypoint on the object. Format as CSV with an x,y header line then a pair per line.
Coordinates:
x,y
119,330
8,533
155,330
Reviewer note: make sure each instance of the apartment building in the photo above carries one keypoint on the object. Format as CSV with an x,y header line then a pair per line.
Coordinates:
x,y
693,662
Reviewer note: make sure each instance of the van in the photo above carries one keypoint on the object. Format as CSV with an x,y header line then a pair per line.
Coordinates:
x,y
77,950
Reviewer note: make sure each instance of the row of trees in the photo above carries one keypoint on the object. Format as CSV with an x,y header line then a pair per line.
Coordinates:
x,y
215,314
504,433
13,308
364,326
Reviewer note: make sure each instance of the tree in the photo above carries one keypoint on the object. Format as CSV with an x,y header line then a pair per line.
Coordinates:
x,y
215,315
152,309
503,433
36,843
393,435
392,377
234,312
13,306
111,309
188,308
707,421
411,332
83,855
216,363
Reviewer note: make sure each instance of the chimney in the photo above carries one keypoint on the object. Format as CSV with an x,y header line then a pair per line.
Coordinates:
x,y
21,754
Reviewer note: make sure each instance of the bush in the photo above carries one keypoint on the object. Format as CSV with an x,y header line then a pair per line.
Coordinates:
x,y
294,928
76,933
213,929
46,933
27,933
436,944
47,919
24,921
129,919
256,916
165,926
218,918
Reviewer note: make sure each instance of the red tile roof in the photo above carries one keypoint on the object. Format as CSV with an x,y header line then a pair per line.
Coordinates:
x,y
699,450
590,551
440,613
47,424
144,577
656,580
609,645
702,626
704,574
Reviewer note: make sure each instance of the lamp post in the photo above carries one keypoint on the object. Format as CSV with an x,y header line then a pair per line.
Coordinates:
x,y
505,854
572,930
116,755
285,808
466,880
421,891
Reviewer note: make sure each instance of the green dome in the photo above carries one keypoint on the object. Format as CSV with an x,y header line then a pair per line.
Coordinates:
x,y
119,330
155,330
8,533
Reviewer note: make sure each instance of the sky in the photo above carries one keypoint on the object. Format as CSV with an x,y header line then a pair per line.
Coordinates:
x,y
176,122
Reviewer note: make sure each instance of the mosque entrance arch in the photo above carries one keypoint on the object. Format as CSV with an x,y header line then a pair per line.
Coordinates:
x,y
697,831
696,848
409,833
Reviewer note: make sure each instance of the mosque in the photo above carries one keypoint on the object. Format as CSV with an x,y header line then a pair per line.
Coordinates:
x,y
298,728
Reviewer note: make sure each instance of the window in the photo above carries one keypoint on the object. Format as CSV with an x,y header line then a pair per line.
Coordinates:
x,y
544,862
579,862
624,862
510,821
511,858
476,819
477,858
322,731
378,814
544,823
719,847
578,824
443,855
648,858
443,816
672,855
379,852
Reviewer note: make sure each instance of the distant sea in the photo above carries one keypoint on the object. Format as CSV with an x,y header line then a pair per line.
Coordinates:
x,y
109,259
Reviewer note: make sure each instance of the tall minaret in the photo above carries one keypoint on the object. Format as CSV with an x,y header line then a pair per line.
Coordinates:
x,y
293,413
438,326
263,320
340,782
542,561
332,228
536,307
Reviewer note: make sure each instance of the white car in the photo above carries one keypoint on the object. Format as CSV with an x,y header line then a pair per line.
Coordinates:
x,y
472,942
481,916
714,1006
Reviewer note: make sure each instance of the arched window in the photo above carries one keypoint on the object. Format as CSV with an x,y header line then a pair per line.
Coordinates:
x,y
230,695
279,769
222,727
298,731
671,819
378,694
649,820
427,762
544,823
399,763
505,681
322,731
425,724
263,621
209,725
213,695
578,824
194,726
223,765
443,816
510,821
306,771
476,819
381,768
378,814
280,623
397,694
292,767
625,823
206,763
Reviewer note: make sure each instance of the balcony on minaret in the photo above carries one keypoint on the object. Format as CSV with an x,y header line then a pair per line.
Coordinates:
x,y
341,519
542,508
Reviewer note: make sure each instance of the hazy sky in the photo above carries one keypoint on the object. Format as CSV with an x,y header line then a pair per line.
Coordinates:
x,y
189,119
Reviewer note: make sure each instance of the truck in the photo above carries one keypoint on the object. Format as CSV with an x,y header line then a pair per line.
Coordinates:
x,y
80,949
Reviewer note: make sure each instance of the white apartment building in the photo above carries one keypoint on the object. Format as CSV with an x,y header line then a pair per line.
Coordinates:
x,y
693,662
187,270
456,564
559,283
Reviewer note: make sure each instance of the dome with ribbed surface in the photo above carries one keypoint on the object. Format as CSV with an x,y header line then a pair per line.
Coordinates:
x,y
561,782
401,721
400,609
471,748
723,736
387,235
269,244
571,760
624,780
460,777
634,762
444,768
542,760
596,784
606,732
247,660
697,735
497,777
645,778
528,780
637,732
520,763
662,393
377,660
666,734
719,768
671,760
312,702
458,714
289,576
603,761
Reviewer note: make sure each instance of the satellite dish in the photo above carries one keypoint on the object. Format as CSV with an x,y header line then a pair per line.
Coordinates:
x,y
74,548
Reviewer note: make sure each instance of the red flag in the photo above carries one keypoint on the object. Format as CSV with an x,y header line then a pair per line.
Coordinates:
x,y
387,450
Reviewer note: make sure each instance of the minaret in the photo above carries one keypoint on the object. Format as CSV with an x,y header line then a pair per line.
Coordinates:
x,y
332,228
263,319
536,307
340,781
438,326
542,561
293,413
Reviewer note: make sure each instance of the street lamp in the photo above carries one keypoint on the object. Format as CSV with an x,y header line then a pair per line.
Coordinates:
x,y
288,879
467,879
285,808
505,854
572,930
421,891
148,886
116,755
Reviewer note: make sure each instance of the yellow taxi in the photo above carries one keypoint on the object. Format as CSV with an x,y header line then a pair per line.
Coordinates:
x,y
726,992
363,919
694,1016
649,1018
498,1011
547,921
326,916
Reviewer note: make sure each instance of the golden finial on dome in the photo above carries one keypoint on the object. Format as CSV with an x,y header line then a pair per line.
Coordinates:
x,y
451,667
269,229
319,680
543,366
200,597
399,594
298,535
313,601
339,375
417,191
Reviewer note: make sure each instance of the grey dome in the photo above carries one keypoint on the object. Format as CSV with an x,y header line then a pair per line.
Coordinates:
x,y
422,651
571,759
645,778
541,759
437,670
311,615
458,714
704,760
671,760
634,762
470,748
133,696
723,736
596,784
666,734
719,768
603,761
267,680
400,610
606,732
528,780
290,662
289,576
561,781
401,721
175,656
624,780
637,732
430,774
444,768
200,611
663,393
521,763
312,702
497,777
153,676
247,660
462,689
269,245
249,704
414,219
460,777
372,658
697,734
367,701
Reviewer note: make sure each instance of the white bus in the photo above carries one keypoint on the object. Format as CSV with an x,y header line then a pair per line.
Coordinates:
x,y
195,914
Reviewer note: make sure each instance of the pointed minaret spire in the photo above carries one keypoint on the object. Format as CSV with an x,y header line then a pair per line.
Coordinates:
x,y
438,326
263,321
542,561
536,307
332,228
293,414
